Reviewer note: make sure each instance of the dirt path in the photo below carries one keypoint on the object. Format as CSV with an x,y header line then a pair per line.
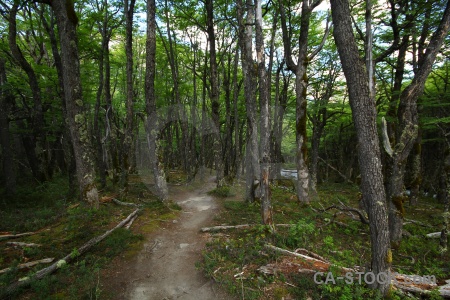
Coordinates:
x,y
165,269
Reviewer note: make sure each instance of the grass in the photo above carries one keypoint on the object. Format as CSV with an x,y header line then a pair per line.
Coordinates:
x,y
63,225
234,257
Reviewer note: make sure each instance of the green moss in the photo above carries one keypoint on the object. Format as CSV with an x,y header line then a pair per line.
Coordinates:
x,y
398,202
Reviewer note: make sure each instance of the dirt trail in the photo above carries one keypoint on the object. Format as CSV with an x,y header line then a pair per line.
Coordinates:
x,y
165,269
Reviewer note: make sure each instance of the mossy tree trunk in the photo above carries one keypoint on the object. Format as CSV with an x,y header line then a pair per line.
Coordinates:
x,y
408,127
76,111
150,104
263,84
303,184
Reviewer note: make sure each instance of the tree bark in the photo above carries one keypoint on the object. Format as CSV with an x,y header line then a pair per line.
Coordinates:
x,y
364,117
76,112
39,159
303,183
252,167
128,137
69,156
407,128
214,95
150,101
6,100
264,85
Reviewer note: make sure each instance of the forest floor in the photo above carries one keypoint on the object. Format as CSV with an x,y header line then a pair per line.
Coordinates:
x,y
166,266
165,256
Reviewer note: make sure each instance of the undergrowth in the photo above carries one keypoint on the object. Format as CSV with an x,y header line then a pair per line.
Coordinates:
x,y
237,258
63,224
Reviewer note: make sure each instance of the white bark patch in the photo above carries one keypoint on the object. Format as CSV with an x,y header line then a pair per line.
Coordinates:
x,y
92,196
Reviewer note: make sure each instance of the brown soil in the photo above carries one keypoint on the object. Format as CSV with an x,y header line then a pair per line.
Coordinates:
x,y
165,267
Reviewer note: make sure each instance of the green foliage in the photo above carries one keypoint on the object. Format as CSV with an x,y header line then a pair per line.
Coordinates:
x,y
34,206
223,192
118,241
300,233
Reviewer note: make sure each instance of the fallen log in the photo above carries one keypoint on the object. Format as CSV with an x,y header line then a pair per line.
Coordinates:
x,y
227,227
400,281
317,262
118,202
14,236
30,264
22,244
433,235
65,260
360,213
128,225
224,227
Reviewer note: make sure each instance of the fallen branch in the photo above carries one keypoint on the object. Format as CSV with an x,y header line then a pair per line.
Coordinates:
x,y
227,227
118,202
317,262
312,254
417,223
131,222
360,213
433,235
29,264
14,236
337,171
22,244
400,281
65,260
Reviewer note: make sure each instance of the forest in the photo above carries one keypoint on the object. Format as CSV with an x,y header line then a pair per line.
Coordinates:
x,y
305,98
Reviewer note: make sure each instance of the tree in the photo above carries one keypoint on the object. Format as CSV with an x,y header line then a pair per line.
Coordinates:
x,y
150,100
364,118
214,93
245,44
67,21
408,126
263,84
301,81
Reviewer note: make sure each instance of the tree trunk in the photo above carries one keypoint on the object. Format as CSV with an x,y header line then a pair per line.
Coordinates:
x,y
407,128
301,81
8,171
213,78
252,167
76,114
264,85
443,243
37,118
69,156
150,100
364,117
128,137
